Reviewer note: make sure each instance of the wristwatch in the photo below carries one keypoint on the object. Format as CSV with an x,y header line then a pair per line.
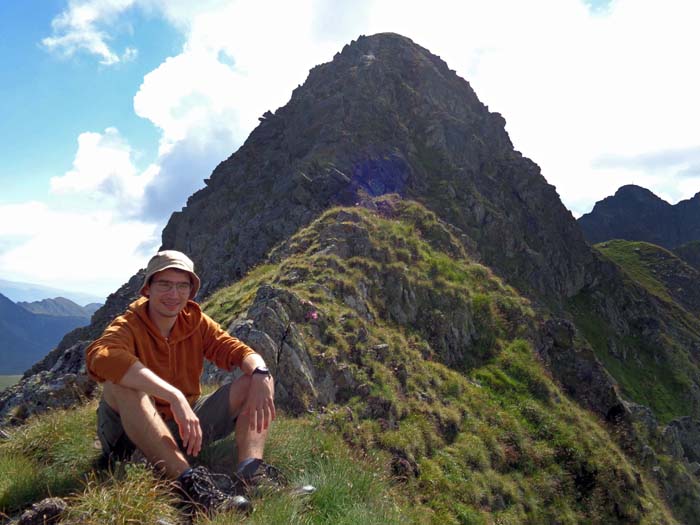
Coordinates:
x,y
262,370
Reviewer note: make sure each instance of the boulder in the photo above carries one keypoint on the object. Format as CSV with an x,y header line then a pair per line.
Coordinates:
x,y
64,385
46,512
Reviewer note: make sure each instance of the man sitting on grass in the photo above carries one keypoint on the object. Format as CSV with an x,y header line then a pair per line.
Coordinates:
x,y
150,360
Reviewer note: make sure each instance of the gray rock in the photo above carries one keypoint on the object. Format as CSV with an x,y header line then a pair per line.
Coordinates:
x,y
686,433
63,386
270,328
45,512
578,370
672,442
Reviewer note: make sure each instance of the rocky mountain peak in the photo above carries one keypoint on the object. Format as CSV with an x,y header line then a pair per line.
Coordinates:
x,y
384,116
632,199
636,214
638,193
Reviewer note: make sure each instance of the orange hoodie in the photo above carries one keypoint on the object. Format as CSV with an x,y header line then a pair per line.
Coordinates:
x,y
179,359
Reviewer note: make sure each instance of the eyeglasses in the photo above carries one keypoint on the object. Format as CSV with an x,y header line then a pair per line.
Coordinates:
x,y
166,286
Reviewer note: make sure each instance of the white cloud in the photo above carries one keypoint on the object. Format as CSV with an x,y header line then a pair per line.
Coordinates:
x,y
88,237
186,94
104,173
207,99
95,252
238,61
82,27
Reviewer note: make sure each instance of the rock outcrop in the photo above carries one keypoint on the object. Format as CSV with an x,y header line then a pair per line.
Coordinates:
x,y
575,366
63,385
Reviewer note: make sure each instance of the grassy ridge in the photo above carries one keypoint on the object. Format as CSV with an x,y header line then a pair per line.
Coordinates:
x,y
453,420
488,438
634,258
655,371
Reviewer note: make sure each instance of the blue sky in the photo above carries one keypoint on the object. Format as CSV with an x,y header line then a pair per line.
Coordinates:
x,y
47,101
113,112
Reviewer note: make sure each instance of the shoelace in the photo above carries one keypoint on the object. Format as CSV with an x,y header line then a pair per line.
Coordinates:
x,y
224,483
275,474
205,489
264,472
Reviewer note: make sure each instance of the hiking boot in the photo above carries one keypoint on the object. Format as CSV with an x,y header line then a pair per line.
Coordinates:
x,y
199,489
260,475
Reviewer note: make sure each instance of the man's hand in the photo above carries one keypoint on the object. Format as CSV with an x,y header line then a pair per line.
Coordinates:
x,y
141,378
187,423
260,404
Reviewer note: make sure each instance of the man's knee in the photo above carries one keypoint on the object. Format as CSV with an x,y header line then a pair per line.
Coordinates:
x,y
118,397
238,391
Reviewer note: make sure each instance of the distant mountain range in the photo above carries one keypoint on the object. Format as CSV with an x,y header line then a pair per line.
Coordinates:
x,y
60,306
636,214
20,291
28,331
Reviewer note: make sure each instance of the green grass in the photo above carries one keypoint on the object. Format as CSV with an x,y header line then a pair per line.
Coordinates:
x,y
636,260
9,380
351,487
48,456
643,377
227,305
133,494
528,455
53,454
654,373
646,376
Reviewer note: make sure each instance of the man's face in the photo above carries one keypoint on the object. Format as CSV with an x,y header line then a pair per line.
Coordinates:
x,y
168,292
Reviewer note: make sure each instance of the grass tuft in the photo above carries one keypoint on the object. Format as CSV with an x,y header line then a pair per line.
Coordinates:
x,y
132,495
48,456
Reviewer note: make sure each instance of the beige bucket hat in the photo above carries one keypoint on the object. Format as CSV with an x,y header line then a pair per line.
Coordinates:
x,y
168,259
